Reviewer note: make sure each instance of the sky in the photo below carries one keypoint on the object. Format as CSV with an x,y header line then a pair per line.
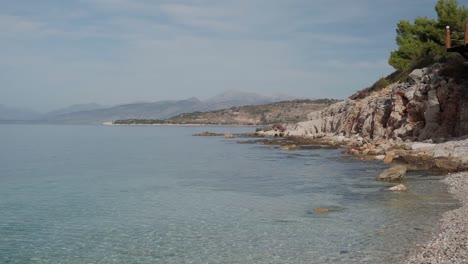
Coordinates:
x,y
55,53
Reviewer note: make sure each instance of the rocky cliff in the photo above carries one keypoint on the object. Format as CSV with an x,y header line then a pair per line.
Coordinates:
x,y
433,104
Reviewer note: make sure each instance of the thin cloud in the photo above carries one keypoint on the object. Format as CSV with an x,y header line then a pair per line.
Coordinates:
x,y
18,24
211,18
129,50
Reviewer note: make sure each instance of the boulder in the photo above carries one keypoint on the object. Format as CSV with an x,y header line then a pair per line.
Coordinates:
x,y
321,210
340,139
416,75
388,159
379,157
228,135
399,187
376,151
206,134
394,173
352,152
290,147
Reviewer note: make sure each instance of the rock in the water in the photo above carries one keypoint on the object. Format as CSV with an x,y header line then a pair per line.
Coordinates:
x,y
394,173
352,152
290,147
399,187
388,159
206,134
228,135
379,157
321,210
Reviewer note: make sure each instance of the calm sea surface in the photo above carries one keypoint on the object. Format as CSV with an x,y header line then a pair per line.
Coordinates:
x,y
152,194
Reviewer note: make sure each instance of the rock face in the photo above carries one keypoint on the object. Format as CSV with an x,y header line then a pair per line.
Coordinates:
x,y
394,173
430,106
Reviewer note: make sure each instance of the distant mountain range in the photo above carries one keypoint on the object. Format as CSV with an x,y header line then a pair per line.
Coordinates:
x,y
96,114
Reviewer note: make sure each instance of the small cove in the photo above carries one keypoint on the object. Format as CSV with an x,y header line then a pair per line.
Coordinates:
x,y
96,194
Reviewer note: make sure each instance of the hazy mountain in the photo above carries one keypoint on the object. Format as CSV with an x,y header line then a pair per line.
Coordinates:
x,y
76,108
93,113
233,98
155,110
17,114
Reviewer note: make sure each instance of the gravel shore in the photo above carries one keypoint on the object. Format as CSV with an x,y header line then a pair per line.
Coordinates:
x,y
450,245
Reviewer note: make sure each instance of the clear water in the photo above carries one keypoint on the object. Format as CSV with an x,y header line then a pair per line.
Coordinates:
x,y
134,194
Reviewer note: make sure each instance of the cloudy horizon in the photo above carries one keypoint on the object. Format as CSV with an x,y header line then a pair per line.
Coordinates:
x,y
57,53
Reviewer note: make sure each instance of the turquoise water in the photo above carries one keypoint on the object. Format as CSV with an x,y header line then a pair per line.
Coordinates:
x,y
152,194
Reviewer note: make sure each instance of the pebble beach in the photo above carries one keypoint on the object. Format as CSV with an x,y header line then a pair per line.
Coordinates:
x,y
450,244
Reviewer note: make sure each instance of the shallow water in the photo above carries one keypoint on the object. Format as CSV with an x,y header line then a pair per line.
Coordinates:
x,y
137,194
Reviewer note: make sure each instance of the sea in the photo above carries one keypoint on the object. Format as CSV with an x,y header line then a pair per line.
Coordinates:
x,y
157,194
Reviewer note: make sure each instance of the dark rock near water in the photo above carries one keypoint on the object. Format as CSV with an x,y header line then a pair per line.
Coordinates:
x,y
207,134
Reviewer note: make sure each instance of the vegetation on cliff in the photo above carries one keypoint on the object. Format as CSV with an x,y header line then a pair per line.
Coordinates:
x,y
423,40
422,43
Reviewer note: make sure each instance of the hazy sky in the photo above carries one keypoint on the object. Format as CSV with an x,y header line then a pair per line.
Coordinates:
x,y
55,53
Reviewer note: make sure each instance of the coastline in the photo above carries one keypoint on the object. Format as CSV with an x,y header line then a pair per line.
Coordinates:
x,y
187,125
450,243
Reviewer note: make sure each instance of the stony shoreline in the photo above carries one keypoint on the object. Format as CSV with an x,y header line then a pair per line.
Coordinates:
x,y
450,244
421,124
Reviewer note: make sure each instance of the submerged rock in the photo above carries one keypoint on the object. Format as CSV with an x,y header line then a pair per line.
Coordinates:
x,y
206,134
290,147
394,173
352,152
399,187
321,210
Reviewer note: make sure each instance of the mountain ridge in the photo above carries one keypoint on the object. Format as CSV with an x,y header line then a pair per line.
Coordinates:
x,y
93,113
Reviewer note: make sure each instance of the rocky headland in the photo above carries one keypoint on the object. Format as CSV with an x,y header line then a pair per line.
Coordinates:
x,y
421,123
279,112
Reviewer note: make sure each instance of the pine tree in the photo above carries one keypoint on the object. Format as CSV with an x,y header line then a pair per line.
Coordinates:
x,y
423,39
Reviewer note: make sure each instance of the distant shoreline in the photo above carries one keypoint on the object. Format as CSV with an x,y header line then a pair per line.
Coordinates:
x,y
188,125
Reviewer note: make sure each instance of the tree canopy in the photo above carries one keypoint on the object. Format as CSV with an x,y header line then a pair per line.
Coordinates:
x,y
424,39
